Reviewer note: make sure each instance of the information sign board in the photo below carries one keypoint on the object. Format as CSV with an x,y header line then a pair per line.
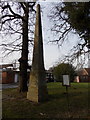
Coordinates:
x,y
66,81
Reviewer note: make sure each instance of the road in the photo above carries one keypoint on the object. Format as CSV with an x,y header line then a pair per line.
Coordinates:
x,y
5,86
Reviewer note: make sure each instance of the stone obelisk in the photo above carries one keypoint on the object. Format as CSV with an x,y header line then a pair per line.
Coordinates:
x,y
37,90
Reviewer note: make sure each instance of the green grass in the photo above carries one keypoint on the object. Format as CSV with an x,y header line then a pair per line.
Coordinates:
x,y
15,105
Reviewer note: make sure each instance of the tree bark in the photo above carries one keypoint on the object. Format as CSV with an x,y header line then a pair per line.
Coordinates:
x,y
24,55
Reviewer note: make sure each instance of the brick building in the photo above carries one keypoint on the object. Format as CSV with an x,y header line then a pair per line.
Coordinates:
x,y
83,75
8,75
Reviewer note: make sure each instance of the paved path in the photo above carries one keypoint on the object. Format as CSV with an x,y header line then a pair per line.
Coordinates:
x,y
0,105
0,87
5,86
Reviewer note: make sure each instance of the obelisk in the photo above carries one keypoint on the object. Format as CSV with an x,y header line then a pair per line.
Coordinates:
x,y
37,90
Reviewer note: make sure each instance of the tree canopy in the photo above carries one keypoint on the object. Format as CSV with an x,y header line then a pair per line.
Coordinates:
x,y
12,19
79,18
71,17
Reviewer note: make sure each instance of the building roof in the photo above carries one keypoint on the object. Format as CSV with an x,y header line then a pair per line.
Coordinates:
x,y
84,71
88,70
6,65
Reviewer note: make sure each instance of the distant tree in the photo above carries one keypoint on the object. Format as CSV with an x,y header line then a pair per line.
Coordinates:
x,y
64,69
18,20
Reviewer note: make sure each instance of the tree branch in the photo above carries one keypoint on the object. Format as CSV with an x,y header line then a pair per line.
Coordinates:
x,y
15,14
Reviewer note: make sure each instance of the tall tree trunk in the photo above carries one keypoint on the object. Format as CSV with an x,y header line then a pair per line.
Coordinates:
x,y
24,55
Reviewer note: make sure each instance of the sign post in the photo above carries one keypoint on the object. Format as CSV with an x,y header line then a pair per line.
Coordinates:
x,y
66,82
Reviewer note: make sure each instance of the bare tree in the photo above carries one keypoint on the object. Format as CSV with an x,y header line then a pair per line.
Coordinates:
x,y
67,18
18,20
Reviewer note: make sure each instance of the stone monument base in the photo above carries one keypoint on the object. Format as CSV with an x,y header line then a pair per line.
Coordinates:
x,y
37,94
37,91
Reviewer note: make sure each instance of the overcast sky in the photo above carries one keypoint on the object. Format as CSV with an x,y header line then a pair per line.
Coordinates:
x,y
52,53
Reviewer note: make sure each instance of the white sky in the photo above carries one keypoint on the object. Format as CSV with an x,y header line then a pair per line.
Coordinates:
x,y
52,53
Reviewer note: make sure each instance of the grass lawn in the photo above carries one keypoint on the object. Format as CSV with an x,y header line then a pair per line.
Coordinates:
x,y
15,105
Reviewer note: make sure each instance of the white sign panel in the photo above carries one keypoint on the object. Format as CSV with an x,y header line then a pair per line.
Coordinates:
x,y
66,81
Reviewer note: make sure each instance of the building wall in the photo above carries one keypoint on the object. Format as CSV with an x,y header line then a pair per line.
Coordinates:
x,y
0,76
84,78
7,77
4,77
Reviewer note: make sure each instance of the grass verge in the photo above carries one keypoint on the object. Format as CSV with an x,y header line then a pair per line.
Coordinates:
x,y
15,104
